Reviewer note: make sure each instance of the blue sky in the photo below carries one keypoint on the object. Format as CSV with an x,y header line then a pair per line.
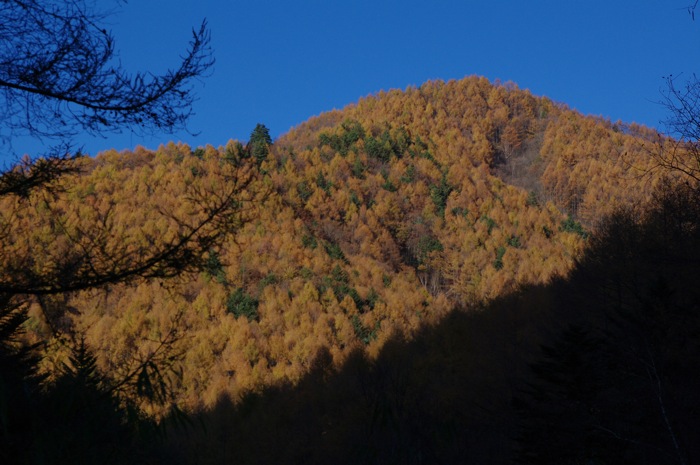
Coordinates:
x,y
279,62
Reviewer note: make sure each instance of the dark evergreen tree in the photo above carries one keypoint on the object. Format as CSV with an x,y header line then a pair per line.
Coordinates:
x,y
19,384
625,391
566,410
259,143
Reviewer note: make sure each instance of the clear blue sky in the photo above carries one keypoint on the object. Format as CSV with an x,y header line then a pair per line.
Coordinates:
x,y
279,62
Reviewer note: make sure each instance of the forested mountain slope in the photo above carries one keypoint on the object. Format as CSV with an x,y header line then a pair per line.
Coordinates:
x,y
358,225
597,367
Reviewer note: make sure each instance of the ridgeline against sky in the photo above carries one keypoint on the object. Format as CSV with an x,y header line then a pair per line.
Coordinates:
x,y
370,221
280,63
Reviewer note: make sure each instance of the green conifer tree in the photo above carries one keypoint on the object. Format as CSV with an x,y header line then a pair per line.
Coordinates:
x,y
259,143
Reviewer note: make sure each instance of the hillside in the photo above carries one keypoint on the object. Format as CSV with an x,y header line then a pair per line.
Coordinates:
x,y
597,367
360,225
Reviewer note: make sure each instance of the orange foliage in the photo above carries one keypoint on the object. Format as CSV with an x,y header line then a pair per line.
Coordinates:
x,y
370,221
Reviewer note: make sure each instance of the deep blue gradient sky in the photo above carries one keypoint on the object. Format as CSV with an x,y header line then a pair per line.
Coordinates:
x,y
279,62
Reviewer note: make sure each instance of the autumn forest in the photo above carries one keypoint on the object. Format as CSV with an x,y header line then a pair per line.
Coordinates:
x,y
460,272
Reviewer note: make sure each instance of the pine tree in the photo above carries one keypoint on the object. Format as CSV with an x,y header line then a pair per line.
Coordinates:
x,y
259,143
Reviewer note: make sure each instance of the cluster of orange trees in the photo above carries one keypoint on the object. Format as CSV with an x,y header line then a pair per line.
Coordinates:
x,y
356,226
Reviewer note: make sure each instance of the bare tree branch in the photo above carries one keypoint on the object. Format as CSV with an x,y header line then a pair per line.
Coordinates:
x,y
99,256
59,76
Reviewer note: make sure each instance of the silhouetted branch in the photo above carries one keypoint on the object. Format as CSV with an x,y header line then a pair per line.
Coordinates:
x,y
58,75
29,175
101,256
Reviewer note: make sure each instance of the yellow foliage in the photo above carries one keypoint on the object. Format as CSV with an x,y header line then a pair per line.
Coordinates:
x,y
369,221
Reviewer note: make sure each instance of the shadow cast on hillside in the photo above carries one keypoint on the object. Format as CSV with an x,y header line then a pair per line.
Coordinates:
x,y
551,374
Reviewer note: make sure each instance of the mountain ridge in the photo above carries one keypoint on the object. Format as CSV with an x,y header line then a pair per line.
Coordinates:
x,y
363,223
